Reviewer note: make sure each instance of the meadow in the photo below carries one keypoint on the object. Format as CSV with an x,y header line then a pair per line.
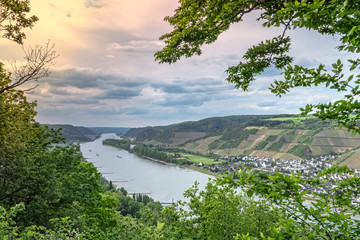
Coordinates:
x,y
198,159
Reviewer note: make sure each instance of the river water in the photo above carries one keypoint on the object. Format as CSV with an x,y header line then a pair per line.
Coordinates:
x,y
163,183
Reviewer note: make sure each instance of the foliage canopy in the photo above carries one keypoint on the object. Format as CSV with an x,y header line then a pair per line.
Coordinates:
x,y
201,22
13,19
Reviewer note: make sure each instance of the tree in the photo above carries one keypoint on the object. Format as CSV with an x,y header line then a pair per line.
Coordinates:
x,y
201,22
13,19
329,213
219,211
22,139
316,208
20,136
38,59
49,182
46,191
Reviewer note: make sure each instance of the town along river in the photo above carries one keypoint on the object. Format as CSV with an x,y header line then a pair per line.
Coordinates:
x,y
161,182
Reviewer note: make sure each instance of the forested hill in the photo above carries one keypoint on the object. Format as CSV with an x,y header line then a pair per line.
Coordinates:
x,y
84,134
74,133
277,136
193,129
100,130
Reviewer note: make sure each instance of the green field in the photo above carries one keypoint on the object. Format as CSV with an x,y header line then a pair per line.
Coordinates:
x,y
198,159
295,119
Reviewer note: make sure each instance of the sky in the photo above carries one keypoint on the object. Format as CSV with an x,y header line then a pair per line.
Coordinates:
x,y
106,74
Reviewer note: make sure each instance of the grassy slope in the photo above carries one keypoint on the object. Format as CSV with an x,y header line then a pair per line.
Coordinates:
x,y
295,119
198,159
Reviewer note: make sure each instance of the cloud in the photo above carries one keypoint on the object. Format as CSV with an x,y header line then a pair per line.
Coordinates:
x,y
267,104
138,111
85,89
136,46
119,93
59,91
91,92
306,62
79,101
194,85
194,100
100,97
90,78
219,60
190,92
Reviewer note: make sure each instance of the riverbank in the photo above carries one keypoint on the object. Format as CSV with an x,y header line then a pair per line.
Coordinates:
x,y
202,170
192,167
115,145
156,160
164,181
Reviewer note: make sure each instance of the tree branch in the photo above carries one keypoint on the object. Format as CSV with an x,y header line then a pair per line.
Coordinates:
x,y
238,16
38,61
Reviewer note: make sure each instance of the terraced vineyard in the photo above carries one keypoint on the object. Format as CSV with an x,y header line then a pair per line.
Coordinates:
x,y
277,137
286,142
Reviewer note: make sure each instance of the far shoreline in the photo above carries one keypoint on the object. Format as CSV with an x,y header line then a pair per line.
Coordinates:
x,y
192,167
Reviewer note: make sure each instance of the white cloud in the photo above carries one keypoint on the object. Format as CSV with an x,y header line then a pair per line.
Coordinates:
x,y
136,45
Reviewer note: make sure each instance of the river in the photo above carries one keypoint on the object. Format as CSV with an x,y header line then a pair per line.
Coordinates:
x,y
163,183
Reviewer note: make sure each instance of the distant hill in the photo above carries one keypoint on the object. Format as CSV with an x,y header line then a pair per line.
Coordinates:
x,y
100,130
276,136
192,129
74,133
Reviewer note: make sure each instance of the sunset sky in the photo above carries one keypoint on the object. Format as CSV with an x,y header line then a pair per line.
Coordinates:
x,y
106,74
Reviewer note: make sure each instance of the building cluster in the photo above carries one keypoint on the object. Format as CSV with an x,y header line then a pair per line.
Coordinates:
x,y
307,168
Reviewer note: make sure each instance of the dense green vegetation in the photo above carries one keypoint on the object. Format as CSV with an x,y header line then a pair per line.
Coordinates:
x,y
276,146
118,143
271,138
74,134
220,212
153,153
261,145
307,140
178,150
139,206
294,119
302,151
